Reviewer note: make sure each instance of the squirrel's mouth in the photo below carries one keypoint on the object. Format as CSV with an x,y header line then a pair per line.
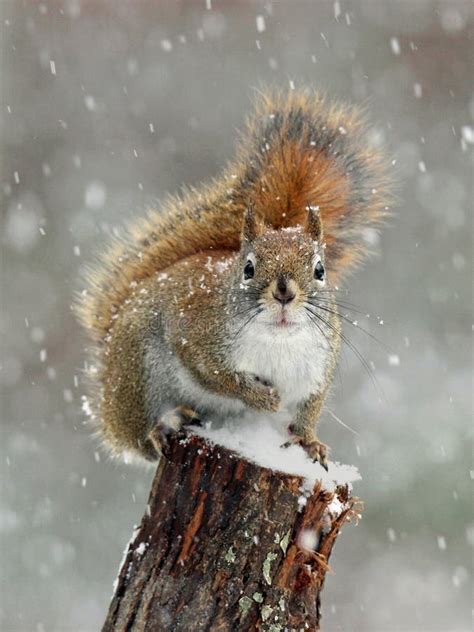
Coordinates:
x,y
281,317
283,322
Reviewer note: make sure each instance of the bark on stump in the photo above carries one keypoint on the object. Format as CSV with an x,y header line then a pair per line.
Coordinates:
x,y
220,547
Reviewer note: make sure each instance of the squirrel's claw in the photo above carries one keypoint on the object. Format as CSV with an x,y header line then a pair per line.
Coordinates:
x,y
264,382
172,422
189,417
158,436
323,462
267,397
315,449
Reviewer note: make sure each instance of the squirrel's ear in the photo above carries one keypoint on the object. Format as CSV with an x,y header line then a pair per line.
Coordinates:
x,y
252,225
314,225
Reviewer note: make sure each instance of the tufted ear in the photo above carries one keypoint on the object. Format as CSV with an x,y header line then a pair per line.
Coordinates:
x,y
253,226
314,225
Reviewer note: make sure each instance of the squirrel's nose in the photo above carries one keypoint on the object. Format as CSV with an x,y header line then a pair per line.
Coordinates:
x,y
284,298
283,294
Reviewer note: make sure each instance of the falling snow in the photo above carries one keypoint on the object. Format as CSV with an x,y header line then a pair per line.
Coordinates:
x,y
417,90
394,359
467,133
395,46
260,20
90,102
166,45
95,195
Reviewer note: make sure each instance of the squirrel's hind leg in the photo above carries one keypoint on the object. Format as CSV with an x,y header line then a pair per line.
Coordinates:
x,y
170,423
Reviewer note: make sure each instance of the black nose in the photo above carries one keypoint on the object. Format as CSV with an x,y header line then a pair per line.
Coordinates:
x,y
281,284
283,295
284,298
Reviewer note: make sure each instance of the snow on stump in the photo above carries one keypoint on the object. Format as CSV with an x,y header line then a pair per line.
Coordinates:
x,y
227,545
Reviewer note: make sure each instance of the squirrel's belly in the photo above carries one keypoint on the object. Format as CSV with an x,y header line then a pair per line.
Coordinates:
x,y
296,364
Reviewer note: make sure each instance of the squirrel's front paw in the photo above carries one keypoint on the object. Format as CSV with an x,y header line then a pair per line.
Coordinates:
x,y
314,448
266,396
317,451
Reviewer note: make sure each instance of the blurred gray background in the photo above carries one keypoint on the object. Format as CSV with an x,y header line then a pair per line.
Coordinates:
x,y
105,107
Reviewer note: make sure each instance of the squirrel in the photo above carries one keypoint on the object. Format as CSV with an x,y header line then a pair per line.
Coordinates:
x,y
223,301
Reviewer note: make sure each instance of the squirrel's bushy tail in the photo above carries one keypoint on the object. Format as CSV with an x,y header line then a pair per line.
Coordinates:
x,y
298,149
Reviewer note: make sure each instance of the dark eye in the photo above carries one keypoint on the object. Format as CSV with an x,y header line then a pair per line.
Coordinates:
x,y
319,271
249,270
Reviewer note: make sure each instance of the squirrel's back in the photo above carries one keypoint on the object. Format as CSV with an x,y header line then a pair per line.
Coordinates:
x,y
298,150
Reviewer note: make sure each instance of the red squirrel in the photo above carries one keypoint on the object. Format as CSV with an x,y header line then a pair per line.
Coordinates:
x,y
223,300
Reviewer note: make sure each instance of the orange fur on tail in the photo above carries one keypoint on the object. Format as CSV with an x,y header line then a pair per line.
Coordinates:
x,y
298,150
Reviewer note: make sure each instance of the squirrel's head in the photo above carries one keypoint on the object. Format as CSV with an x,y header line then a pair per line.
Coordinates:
x,y
280,271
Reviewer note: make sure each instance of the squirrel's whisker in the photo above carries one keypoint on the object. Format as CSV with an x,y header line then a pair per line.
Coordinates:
x,y
318,326
356,352
248,321
350,322
342,304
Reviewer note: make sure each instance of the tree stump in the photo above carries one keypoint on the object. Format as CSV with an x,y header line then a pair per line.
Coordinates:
x,y
226,545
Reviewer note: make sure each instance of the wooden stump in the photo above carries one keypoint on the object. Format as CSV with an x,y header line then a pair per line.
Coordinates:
x,y
226,545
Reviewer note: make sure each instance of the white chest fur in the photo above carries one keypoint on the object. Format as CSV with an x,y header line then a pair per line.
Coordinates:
x,y
294,362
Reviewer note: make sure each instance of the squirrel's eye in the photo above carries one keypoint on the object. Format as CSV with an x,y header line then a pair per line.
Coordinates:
x,y
249,270
319,271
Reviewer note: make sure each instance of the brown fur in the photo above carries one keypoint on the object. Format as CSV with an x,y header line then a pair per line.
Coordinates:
x,y
298,150
193,323
301,161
